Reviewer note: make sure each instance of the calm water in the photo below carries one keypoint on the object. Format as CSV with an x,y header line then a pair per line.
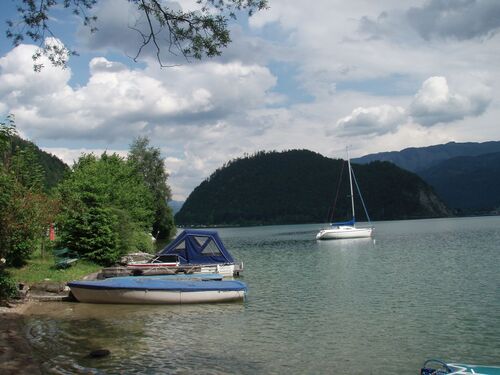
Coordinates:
x,y
427,288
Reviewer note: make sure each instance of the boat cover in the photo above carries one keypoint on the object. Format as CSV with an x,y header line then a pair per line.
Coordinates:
x,y
195,246
147,283
339,224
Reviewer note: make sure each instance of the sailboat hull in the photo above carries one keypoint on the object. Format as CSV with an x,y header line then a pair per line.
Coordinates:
x,y
344,232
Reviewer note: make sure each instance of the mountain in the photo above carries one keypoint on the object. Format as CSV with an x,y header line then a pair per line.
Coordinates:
x,y
417,159
175,206
299,186
467,183
54,168
464,175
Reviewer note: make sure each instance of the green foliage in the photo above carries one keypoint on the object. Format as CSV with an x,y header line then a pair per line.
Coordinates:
x,y
25,212
142,241
299,186
8,287
27,169
106,206
149,164
32,167
91,233
24,218
48,168
193,34
130,239
7,131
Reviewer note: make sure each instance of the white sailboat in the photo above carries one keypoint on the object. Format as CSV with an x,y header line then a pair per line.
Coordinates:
x,y
347,229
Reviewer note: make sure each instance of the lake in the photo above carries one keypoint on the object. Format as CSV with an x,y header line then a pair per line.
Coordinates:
x,y
422,289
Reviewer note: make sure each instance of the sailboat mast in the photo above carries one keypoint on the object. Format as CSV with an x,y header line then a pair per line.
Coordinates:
x,y
350,183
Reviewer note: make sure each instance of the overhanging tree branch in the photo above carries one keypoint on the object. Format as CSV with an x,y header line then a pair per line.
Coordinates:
x,y
192,34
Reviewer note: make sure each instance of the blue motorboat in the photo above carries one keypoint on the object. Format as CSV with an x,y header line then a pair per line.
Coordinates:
x,y
157,290
437,367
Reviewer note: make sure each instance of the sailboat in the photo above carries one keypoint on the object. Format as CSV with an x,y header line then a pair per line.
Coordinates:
x,y
347,229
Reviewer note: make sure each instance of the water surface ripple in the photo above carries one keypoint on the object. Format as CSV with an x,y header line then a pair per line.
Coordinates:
x,y
426,288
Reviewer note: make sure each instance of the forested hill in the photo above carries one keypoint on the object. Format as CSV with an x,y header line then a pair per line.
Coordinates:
x,y
299,186
53,168
469,184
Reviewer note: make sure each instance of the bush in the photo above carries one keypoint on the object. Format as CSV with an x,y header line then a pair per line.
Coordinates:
x,y
106,209
8,287
143,242
132,237
91,234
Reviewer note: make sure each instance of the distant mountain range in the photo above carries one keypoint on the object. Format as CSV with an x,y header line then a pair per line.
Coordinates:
x,y
175,206
416,159
299,186
465,175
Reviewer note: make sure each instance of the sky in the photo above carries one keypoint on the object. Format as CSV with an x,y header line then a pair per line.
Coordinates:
x,y
372,75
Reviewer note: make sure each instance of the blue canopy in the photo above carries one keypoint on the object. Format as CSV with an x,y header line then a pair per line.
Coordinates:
x,y
194,246
339,224
147,283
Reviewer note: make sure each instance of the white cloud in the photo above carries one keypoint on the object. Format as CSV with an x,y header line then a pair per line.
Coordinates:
x,y
20,84
433,104
120,103
191,110
436,103
353,72
372,120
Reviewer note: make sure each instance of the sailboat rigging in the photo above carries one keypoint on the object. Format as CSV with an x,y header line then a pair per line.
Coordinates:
x,y
347,229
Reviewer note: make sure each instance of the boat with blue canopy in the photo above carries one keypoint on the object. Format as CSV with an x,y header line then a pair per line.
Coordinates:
x,y
437,367
157,290
202,250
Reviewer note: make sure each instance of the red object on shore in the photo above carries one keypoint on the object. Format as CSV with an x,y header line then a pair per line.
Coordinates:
x,y
52,233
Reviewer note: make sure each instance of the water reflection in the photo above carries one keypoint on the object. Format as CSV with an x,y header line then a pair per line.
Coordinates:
x,y
141,339
347,243
342,306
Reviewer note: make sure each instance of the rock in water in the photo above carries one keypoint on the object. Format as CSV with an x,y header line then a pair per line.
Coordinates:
x,y
99,353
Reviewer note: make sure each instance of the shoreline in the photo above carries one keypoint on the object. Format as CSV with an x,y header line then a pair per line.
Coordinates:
x,y
16,353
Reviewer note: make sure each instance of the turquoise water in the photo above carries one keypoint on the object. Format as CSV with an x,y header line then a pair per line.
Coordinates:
x,y
425,288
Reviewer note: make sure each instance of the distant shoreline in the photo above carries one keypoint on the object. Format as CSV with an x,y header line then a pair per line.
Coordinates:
x,y
236,225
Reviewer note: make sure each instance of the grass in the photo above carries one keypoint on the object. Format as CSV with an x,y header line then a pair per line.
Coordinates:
x,y
40,268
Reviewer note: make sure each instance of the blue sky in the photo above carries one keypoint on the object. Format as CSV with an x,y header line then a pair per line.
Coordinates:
x,y
378,76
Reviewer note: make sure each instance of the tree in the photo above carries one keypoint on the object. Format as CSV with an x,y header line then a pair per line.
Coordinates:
x,y
107,209
7,131
25,211
192,34
150,166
